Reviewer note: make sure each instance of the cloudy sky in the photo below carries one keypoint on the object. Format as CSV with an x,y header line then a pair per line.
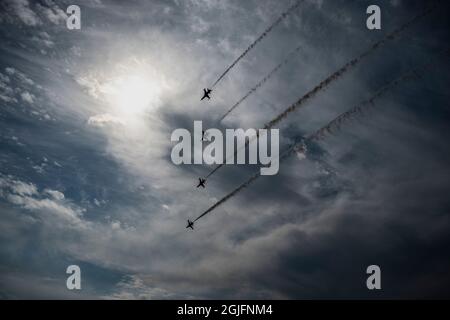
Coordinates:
x,y
86,176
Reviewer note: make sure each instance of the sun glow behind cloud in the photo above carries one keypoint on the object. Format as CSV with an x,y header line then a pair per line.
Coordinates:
x,y
128,91
131,94
127,97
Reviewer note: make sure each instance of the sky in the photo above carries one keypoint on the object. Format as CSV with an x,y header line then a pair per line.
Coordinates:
x,y
86,176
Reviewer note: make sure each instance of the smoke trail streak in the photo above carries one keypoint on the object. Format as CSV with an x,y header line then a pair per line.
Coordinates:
x,y
260,83
242,186
337,75
357,110
328,128
262,36
343,70
228,196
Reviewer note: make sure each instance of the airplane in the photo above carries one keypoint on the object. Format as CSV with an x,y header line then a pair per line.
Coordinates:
x,y
201,182
206,93
204,137
190,224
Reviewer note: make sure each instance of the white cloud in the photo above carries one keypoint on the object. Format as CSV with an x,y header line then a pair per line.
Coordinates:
x,y
23,11
18,187
48,205
4,78
19,75
24,79
6,98
301,155
53,13
27,196
21,8
28,97
101,120
44,37
55,194
91,84
6,88
18,80
199,25
115,225
132,287
10,70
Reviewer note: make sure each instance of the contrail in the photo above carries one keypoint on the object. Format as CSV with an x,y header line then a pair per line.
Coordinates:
x,y
366,104
337,75
262,36
228,196
260,83
327,129
343,70
242,186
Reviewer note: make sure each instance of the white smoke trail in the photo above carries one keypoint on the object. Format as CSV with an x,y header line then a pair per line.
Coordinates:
x,y
260,83
337,75
327,129
344,69
262,36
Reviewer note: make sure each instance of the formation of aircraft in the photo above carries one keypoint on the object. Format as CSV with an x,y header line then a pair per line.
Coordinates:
x,y
201,183
300,150
206,93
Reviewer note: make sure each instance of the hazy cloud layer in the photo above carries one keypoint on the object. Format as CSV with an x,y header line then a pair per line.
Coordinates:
x,y
86,176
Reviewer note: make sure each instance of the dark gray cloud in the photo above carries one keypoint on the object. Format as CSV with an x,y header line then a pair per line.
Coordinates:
x,y
86,176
